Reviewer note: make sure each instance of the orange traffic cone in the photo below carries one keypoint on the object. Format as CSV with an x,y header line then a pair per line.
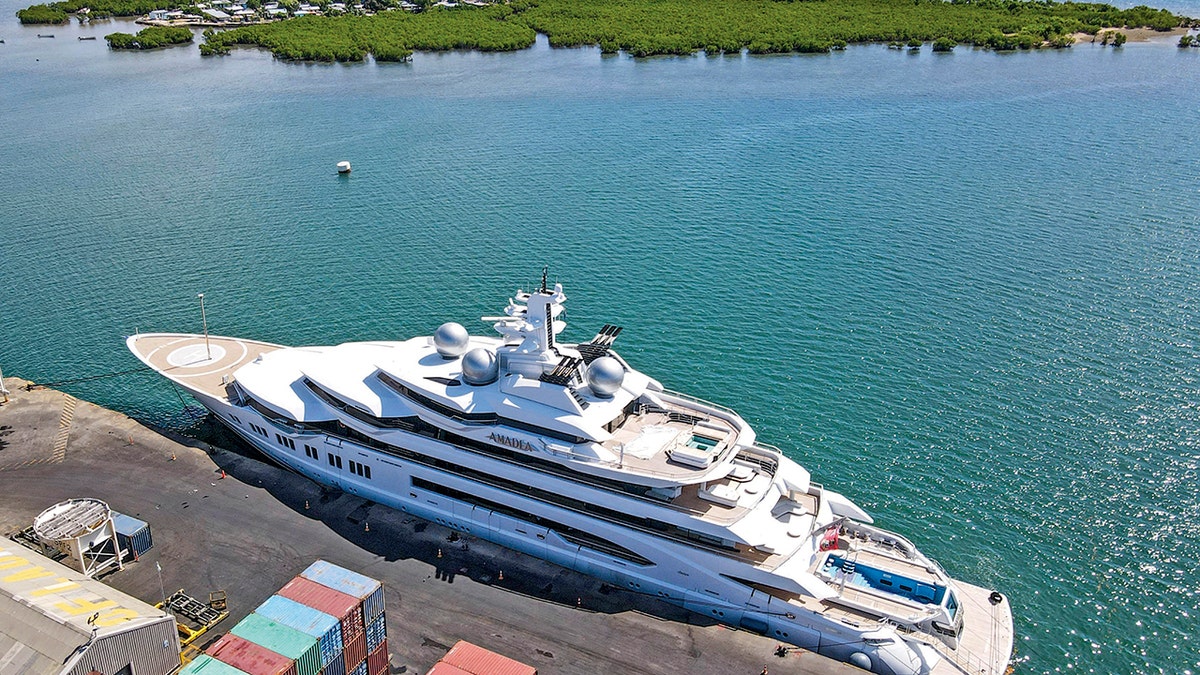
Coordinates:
x,y
222,473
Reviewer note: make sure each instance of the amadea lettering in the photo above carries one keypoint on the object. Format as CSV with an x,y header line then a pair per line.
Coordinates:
x,y
512,442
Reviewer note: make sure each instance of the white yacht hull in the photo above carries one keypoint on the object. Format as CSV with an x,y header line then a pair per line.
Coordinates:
x,y
685,576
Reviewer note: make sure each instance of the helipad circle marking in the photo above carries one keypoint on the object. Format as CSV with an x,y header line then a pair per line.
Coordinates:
x,y
195,355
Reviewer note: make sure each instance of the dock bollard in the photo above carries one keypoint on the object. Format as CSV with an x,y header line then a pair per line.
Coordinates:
x,y
439,552
366,527
305,504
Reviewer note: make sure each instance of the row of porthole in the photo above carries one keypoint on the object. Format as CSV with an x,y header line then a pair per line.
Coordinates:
x,y
453,526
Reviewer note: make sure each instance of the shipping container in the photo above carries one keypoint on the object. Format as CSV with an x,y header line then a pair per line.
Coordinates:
x,y
356,652
361,669
327,629
341,579
207,665
377,658
443,668
335,667
335,603
133,536
479,661
385,670
249,657
376,633
283,640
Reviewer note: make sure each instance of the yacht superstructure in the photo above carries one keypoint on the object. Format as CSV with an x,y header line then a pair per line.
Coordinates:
x,y
567,453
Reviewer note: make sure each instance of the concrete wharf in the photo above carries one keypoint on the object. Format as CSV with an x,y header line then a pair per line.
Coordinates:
x,y
251,531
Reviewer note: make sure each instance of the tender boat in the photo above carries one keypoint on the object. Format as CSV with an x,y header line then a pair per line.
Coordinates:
x,y
568,453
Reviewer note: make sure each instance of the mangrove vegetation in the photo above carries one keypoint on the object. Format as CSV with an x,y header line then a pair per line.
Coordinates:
x,y
42,14
654,27
150,38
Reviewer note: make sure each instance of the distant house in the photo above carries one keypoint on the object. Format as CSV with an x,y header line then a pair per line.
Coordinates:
x,y
277,12
157,15
221,3
216,14
339,6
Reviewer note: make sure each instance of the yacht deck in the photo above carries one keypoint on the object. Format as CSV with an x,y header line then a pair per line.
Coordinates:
x,y
677,442
204,364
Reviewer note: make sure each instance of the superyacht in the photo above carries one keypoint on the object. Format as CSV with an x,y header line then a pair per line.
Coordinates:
x,y
567,453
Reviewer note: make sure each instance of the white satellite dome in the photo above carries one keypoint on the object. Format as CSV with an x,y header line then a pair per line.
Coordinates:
x,y
480,366
605,376
451,340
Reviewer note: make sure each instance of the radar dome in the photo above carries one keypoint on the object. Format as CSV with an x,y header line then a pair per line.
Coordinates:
x,y
451,340
605,376
479,366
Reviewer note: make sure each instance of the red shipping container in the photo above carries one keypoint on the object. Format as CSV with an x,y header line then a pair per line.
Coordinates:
x,y
249,657
325,599
378,658
479,661
355,652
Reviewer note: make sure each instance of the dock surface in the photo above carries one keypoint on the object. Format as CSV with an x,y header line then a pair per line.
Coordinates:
x,y
253,530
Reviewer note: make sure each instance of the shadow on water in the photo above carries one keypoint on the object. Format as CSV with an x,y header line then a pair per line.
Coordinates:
x,y
396,535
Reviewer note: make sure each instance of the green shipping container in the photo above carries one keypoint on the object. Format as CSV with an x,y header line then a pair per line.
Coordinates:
x,y
289,642
207,665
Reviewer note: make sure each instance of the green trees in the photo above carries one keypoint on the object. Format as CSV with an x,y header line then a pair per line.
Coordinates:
x,y
150,38
41,14
650,27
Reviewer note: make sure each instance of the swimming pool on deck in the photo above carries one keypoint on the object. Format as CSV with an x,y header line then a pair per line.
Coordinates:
x,y
865,576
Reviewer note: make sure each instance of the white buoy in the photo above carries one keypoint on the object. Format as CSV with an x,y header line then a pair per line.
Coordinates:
x,y
343,167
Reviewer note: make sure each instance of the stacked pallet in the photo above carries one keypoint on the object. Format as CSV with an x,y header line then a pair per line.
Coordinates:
x,y
326,621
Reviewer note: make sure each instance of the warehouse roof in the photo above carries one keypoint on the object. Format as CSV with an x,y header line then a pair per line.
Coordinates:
x,y
49,611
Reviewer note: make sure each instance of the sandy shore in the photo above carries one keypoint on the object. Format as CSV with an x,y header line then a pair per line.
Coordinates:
x,y
1134,35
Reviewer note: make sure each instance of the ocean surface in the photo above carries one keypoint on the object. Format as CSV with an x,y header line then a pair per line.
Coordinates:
x,y
962,289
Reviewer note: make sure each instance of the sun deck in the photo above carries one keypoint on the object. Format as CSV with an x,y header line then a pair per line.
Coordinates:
x,y
674,441
204,364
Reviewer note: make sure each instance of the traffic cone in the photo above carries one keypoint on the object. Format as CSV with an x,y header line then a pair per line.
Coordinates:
x,y
222,474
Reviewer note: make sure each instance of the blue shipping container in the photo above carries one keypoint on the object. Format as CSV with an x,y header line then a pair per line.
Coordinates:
x,y
373,605
327,629
133,535
335,667
376,634
341,579
361,669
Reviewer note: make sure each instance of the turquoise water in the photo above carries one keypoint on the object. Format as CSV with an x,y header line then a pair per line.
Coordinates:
x,y
961,289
